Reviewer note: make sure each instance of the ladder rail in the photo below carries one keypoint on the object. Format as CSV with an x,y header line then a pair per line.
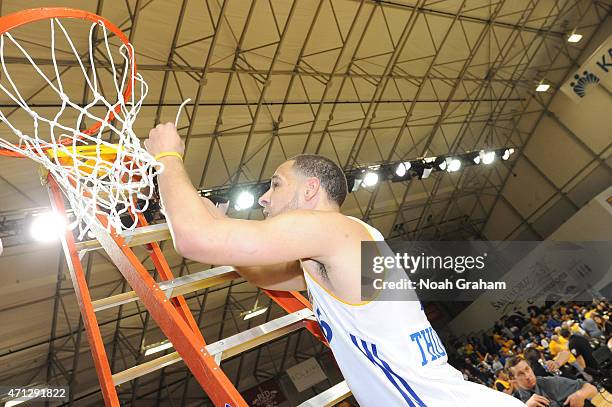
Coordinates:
x,y
90,322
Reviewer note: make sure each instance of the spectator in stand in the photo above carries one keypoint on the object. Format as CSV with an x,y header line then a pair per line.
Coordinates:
x,y
591,327
535,360
553,322
485,375
497,364
534,310
560,350
580,347
590,312
469,365
547,391
517,320
488,343
468,349
573,327
604,325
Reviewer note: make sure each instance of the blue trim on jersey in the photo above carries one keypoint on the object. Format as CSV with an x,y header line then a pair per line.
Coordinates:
x,y
372,355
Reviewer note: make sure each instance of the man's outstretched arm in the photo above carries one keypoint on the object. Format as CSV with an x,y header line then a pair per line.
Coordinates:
x,y
200,235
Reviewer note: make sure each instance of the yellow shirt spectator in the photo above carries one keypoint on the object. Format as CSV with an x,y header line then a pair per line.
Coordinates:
x,y
559,344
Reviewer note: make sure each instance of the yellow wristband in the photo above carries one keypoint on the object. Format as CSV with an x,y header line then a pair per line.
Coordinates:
x,y
168,154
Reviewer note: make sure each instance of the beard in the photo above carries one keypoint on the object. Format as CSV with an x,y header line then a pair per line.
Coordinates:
x,y
292,205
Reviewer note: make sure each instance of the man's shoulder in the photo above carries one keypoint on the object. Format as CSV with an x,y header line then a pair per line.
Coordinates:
x,y
553,381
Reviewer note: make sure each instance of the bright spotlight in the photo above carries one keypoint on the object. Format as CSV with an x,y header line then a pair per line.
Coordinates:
x,y
574,37
47,226
244,201
453,164
442,165
507,153
542,87
370,179
487,156
402,168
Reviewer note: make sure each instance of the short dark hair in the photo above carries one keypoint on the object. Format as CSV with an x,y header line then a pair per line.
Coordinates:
x,y
565,333
511,362
328,172
532,355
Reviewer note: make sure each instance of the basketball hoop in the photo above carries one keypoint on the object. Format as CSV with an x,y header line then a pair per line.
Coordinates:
x,y
96,176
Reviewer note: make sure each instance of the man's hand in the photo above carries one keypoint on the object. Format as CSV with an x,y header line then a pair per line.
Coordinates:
x,y
537,401
164,138
552,366
574,400
588,391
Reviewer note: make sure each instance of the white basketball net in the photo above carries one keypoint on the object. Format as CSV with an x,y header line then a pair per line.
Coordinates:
x,y
92,184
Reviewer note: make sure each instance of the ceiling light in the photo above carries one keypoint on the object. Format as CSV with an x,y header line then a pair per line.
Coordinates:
x,y
354,183
574,37
542,87
487,156
47,226
402,168
158,347
507,153
370,179
442,165
426,172
245,200
453,164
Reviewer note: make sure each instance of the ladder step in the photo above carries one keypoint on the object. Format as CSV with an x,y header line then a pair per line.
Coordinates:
x,y
145,368
139,236
251,338
227,347
329,397
176,287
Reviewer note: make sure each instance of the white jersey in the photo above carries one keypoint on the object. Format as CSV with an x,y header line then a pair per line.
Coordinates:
x,y
390,355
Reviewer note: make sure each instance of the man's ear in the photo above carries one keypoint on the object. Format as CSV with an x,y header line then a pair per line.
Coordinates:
x,y
312,188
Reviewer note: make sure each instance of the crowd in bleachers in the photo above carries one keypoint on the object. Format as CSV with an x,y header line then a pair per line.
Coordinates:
x,y
569,340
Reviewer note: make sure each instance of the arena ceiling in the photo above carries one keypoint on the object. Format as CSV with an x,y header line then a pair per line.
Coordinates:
x,y
362,82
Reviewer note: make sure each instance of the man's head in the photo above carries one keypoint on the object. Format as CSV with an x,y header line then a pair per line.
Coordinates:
x,y
306,181
520,373
565,333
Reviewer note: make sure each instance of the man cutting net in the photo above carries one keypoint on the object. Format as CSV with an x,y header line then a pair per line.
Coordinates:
x,y
386,350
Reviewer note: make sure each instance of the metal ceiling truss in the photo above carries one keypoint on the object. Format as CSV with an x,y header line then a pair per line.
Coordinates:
x,y
127,342
559,192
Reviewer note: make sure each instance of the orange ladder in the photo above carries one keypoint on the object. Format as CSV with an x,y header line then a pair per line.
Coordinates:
x,y
166,305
